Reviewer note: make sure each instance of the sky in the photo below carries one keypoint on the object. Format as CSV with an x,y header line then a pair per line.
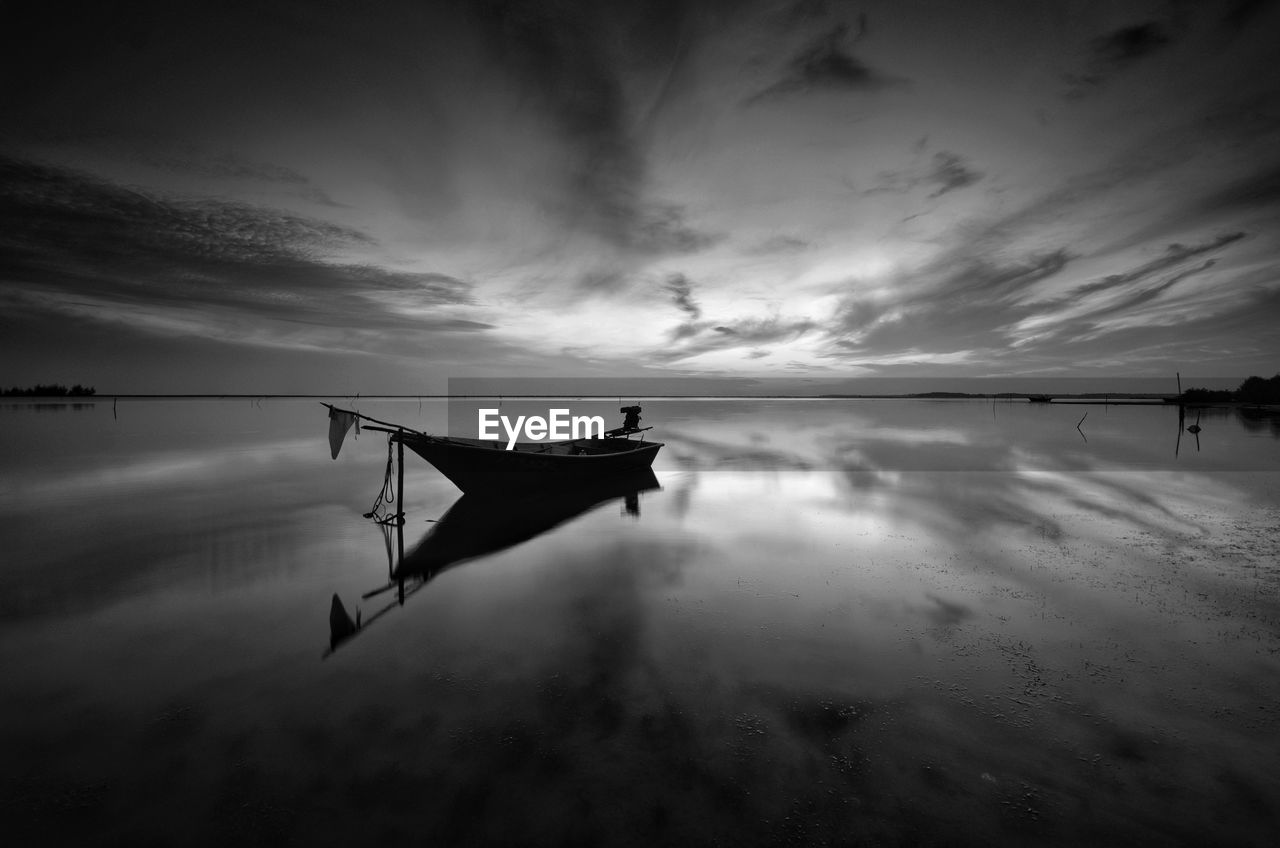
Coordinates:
x,y
345,197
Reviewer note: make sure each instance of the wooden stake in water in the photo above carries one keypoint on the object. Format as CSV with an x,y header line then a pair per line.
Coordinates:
x,y
400,514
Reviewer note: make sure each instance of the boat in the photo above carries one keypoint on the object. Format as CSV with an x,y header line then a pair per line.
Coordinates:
x,y
478,465
1040,398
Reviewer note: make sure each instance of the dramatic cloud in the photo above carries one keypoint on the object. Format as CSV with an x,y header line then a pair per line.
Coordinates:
x,y
700,338
945,172
1243,12
1173,256
1117,51
827,64
950,173
1259,190
404,190
682,293
227,166
70,240
997,313
955,306
568,60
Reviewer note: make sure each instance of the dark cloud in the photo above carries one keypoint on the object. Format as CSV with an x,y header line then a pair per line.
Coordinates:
x,y
689,329
603,280
950,310
1129,44
568,60
804,12
973,285
1244,12
945,172
1260,189
226,166
1132,300
1129,291
1174,255
977,312
827,64
756,330
703,337
1195,336
681,289
950,173
68,233
1115,52
661,228
968,304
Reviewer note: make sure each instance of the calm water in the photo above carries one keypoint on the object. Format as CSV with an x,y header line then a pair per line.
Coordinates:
x,y
836,622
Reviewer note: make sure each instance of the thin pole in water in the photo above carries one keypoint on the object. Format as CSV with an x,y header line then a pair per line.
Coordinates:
x,y
400,515
400,475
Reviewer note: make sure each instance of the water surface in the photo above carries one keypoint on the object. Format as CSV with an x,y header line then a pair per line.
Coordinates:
x,y
835,622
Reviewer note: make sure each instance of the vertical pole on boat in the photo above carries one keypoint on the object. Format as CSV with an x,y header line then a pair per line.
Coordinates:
x,y
400,476
400,513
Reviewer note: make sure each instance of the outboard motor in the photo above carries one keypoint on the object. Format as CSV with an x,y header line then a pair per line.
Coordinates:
x,y
632,420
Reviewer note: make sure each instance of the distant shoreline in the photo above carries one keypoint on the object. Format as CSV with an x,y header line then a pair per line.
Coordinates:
x,y
1149,397
1077,399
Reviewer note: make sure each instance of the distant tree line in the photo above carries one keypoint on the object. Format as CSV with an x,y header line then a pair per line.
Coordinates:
x,y
52,391
1252,390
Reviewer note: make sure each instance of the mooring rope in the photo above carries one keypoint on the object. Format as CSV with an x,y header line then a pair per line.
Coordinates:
x,y
388,493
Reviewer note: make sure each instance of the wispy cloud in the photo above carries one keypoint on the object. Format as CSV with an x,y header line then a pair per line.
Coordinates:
x,y
945,172
1260,189
569,61
1173,256
963,309
827,63
938,314
778,244
697,338
950,173
226,167
682,293
1242,13
69,238
1115,52
1130,298
533,174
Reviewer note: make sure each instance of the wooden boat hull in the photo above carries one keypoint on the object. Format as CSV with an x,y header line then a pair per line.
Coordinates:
x,y
475,466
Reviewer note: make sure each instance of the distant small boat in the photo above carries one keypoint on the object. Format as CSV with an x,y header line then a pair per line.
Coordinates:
x,y
1040,398
476,465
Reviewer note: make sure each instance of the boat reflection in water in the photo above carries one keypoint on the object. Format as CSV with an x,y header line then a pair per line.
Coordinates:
x,y
481,523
